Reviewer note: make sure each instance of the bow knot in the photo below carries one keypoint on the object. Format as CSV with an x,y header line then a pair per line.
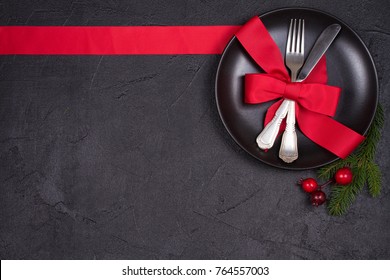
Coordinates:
x,y
292,91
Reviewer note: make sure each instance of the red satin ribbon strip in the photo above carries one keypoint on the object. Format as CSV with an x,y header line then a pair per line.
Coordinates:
x,y
114,40
316,102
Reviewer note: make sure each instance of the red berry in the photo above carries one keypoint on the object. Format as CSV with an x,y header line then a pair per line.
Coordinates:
x,y
309,185
317,198
343,176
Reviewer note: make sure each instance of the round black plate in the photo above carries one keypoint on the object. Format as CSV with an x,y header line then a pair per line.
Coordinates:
x,y
350,66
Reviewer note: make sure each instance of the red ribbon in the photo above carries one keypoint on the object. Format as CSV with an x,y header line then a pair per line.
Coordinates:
x,y
114,40
316,102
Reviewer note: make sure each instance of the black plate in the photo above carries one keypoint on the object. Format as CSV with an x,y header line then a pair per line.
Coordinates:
x,y
350,66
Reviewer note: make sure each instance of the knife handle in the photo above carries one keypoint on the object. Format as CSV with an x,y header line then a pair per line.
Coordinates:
x,y
289,148
266,139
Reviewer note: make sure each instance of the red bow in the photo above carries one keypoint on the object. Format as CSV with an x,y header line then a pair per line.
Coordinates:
x,y
316,102
318,98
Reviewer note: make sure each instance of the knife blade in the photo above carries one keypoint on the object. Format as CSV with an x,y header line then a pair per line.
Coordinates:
x,y
321,45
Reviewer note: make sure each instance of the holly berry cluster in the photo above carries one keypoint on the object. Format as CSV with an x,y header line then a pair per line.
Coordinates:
x,y
342,177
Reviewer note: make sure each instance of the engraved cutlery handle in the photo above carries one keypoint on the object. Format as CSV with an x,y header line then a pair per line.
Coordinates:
x,y
289,148
267,137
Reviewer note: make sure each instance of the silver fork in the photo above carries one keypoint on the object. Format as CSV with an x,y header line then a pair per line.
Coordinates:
x,y
294,61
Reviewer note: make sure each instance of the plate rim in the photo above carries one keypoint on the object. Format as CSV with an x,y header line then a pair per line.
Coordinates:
x,y
310,10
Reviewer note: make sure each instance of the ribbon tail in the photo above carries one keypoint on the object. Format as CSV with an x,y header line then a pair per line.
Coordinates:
x,y
115,40
328,133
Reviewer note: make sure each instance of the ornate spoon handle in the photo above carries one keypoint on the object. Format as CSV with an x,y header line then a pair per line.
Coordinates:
x,y
289,148
266,138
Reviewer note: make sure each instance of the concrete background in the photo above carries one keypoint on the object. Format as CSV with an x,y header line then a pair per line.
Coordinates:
x,y
125,157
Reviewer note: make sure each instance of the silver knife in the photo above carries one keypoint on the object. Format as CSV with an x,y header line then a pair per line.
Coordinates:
x,y
266,138
320,47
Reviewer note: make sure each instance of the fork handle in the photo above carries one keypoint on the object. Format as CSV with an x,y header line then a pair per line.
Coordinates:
x,y
289,147
266,139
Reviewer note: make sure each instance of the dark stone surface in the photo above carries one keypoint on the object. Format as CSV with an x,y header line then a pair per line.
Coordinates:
x,y
125,157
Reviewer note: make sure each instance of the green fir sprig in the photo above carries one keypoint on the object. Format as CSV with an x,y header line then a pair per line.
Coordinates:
x,y
364,168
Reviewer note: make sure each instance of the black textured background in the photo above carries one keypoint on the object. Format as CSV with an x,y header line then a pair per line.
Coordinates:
x,y
125,157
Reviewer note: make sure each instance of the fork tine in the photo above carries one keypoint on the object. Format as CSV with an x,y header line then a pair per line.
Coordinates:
x,y
294,36
303,37
298,49
288,47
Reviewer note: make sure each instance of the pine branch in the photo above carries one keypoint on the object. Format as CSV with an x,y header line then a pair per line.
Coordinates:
x,y
327,172
365,170
368,147
374,179
341,199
